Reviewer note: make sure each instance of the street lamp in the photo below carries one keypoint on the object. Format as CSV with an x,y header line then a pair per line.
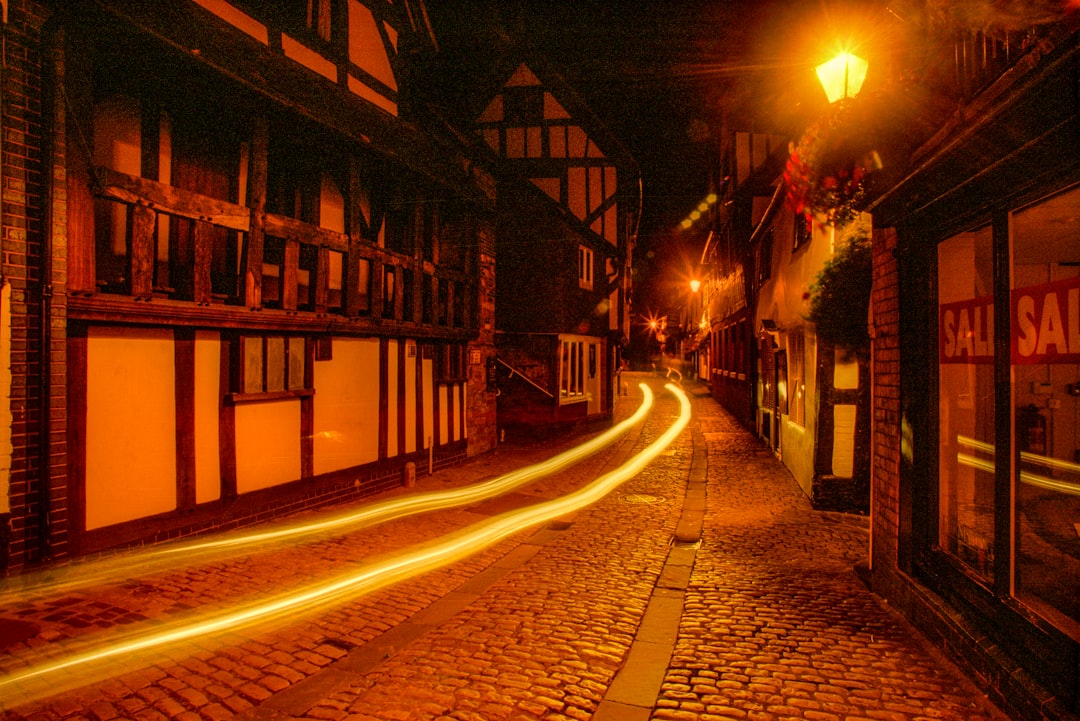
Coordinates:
x,y
843,76
695,285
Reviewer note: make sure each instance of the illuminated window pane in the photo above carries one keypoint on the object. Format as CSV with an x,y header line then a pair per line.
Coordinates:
x,y
966,399
1045,345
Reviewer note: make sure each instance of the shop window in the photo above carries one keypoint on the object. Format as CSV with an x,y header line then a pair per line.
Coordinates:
x,y
966,410
1045,358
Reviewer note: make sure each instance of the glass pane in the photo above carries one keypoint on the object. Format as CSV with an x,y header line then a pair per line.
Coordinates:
x,y
296,363
253,364
1045,341
966,399
275,364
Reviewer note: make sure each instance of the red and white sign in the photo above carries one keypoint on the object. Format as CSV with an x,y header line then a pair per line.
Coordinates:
x,y
966,331
1046,323
1045,326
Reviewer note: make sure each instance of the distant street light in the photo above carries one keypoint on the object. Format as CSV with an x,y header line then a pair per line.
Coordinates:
x,y
843,76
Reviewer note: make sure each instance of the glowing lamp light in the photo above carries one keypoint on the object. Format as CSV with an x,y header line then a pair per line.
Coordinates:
x,y
843,76
695,285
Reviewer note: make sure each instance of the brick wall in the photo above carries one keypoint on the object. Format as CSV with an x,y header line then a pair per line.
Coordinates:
x,y
36,499
480,408
885,479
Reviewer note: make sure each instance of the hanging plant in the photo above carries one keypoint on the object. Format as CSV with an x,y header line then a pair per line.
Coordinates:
x,y
840,296
826,172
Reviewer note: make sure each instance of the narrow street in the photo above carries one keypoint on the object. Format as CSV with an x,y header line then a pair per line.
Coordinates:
x,y
705,587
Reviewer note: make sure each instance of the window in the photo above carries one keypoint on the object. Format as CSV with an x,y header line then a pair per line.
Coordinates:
x,y
273,364
572,370
585,267
1030,553
803,231
1045,363
966,400
451,366
765,257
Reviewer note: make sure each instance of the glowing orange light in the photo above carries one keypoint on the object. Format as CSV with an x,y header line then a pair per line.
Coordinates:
x,y
51,675
843,76
181,555
695,285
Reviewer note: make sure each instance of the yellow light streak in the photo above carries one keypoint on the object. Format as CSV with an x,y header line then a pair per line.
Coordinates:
x,y
1032,479
184,554
85,667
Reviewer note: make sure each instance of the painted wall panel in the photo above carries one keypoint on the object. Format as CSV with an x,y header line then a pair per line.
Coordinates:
x,y
464,415
130,425
207,395
267,444
444,408
347,406
366,47
237,19
575,191
428,372
393,443
411,444
843,456
307,57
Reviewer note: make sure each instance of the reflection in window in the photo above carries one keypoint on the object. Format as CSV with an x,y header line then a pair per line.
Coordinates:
x,y
966,399
1045,307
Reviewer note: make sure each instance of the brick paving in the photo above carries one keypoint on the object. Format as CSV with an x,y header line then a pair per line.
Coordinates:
x,y
703,588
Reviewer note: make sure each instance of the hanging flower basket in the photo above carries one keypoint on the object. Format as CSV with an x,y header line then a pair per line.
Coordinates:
x,y
826,172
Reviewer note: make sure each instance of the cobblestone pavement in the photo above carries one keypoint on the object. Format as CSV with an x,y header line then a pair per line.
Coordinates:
x,y
703,588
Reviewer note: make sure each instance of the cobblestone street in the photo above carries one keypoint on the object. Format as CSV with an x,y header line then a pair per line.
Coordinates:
x,y
705,587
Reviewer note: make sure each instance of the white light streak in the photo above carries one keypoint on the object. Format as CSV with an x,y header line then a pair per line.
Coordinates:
x,y
174,556
84,667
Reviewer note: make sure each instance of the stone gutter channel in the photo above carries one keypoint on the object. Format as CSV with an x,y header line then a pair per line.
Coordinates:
x,y
636,686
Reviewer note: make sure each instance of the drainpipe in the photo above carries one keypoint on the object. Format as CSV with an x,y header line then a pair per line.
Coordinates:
x,y
44,447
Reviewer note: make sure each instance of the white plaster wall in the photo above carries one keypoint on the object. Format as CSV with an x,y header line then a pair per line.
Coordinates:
x,y
347,406
207,415
130,425
267,444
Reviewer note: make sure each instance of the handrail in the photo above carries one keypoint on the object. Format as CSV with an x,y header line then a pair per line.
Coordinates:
x,y
525,378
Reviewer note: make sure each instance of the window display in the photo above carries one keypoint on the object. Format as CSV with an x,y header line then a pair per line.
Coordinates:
x,y
1045,349
966,399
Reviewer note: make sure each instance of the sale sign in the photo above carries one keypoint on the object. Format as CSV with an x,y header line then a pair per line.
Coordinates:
x,y
966,331
1046,323
1045,326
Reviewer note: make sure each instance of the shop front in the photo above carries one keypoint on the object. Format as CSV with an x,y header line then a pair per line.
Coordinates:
x,y
976,490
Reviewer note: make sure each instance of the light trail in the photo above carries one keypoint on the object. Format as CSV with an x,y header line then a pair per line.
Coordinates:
x,y
180,555
85,667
